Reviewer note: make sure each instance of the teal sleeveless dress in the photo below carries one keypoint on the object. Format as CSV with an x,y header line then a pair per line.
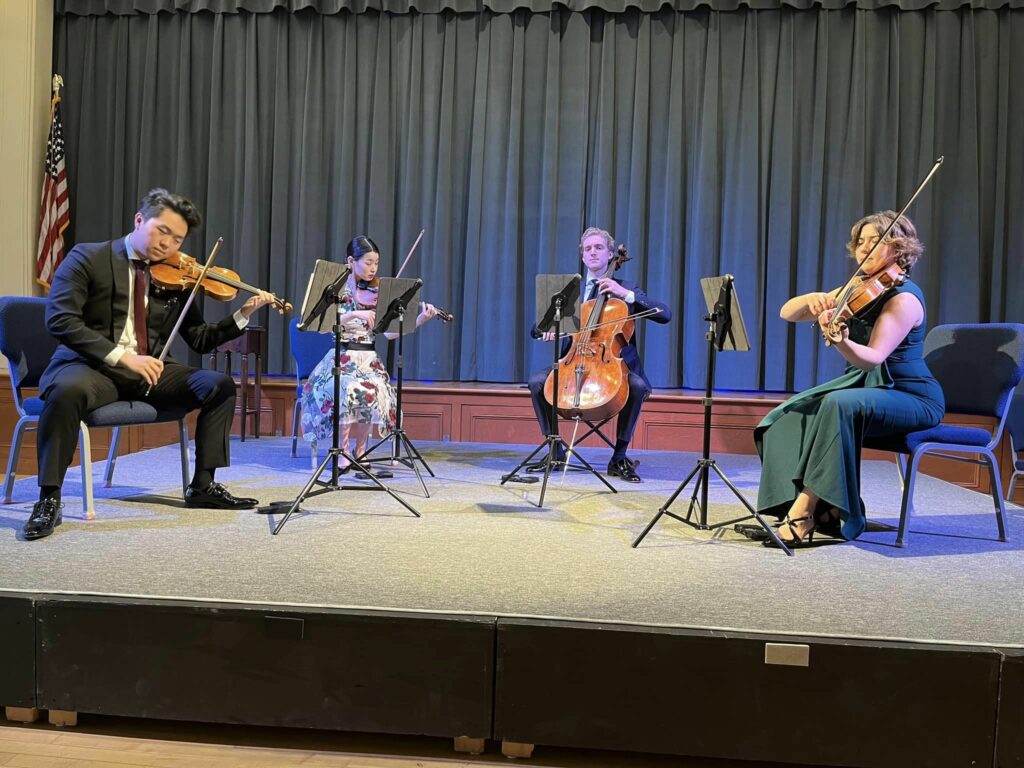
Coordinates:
x,y
813,440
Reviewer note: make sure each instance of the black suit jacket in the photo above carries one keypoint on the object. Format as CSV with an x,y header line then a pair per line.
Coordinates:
x,y
641,303
88,307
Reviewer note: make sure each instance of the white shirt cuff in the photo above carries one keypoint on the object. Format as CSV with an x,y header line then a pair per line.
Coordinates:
x,y
630,298
240,320
115,355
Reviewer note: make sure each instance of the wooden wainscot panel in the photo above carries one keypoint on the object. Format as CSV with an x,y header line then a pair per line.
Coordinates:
x,y
426,423
503,413
510,424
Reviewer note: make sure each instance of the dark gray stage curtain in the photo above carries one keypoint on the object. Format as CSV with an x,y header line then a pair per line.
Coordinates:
x,y
708,142
99,7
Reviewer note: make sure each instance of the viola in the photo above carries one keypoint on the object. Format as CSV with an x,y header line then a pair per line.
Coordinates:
x,y
366,295
181,272
593,379
864,292
867,287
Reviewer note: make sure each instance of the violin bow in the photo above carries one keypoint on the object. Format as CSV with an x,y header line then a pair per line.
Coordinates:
x,y
848,288
409,255
188,303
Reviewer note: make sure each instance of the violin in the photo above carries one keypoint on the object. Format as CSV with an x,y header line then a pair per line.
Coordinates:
x,y
366,295
593,380
181,272
864,291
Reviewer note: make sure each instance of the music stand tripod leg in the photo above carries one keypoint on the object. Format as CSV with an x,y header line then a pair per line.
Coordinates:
x,y
331,295
664,509
559,302
398,436
725,323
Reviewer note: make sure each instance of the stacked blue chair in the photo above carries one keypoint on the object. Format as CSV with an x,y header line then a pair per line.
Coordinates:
x,y
1015,426
308,349
28,347
978,367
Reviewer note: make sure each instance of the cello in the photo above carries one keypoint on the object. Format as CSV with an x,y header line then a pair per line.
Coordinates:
x,y
593,380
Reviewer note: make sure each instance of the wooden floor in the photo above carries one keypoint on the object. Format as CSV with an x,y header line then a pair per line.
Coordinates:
x,y
99,742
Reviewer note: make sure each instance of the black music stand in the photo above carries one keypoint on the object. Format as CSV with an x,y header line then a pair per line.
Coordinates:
x,y
394,296
331,282
726,331
556,294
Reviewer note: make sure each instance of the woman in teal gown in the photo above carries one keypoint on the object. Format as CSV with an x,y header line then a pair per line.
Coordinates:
x,y
810,445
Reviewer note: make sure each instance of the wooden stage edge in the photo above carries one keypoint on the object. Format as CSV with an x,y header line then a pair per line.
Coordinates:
x,y
672,419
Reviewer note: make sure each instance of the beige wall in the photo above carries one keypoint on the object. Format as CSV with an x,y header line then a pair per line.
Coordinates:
x,y
26,45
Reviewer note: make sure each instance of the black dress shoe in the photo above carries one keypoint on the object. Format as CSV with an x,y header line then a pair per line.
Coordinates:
x,y
44,518
216,496
624,469
379,474
538,467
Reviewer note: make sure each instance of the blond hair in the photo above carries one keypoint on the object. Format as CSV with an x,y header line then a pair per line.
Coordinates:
x,y
591,231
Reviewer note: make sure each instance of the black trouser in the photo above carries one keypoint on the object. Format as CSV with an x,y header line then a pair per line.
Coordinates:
x,y
639,391
78,388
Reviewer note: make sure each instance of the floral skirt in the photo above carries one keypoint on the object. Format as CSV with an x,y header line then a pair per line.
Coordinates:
x,y
367,396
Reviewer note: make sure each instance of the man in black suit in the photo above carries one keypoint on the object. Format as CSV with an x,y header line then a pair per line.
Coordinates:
x,y
112,325
597,249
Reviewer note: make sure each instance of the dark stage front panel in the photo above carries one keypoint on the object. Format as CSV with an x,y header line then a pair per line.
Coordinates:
x,y
316,668
1010,736
712,694
17,651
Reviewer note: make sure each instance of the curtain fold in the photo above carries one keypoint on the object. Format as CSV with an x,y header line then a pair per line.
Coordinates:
x,y
330,7
708,142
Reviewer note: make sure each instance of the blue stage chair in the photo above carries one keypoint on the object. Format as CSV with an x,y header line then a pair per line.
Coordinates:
x,y
978,367
28,347
1015,426
308,349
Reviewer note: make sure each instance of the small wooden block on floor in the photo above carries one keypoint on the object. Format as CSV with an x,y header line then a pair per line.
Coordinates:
x,y
469,744
22,714
516,749
63,717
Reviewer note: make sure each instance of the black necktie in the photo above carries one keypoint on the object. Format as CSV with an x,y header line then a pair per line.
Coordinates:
x,y
139,306
591,290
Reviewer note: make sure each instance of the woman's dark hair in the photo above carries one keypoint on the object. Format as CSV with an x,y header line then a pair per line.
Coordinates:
x,y
159,199
902,237
359,246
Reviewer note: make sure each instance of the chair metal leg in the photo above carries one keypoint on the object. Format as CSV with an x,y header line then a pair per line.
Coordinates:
x,y
295,429
85,449
115,441
1013,485
997,492
183,442
12,460
907,507
901,468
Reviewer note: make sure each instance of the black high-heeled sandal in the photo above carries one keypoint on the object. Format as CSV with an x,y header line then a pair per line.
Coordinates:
x,y
796,542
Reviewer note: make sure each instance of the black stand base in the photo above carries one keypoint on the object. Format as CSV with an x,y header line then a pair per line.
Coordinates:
x,y
400,443
553,443
701,471
720,328
316,487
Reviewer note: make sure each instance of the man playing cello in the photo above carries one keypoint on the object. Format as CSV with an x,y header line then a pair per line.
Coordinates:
x,y
597,249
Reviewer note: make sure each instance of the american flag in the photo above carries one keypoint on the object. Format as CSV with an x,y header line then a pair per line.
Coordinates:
x,y
53,208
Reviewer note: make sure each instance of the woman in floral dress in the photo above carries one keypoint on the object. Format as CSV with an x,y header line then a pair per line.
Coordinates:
x,y
367,396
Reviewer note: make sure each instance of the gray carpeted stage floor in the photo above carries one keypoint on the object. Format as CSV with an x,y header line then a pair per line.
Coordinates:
x,y
486,549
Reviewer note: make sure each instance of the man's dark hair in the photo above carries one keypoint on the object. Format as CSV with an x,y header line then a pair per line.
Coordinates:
x,y
159,199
